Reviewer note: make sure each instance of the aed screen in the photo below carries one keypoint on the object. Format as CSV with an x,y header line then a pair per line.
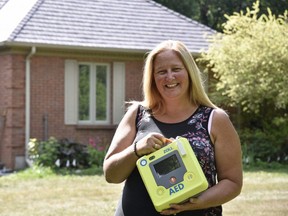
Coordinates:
x,y
167,165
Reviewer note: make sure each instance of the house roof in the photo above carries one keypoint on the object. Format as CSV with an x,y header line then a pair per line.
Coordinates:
x,y
135,25
2,3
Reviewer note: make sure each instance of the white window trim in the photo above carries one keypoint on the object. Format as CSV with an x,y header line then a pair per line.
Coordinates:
x,y
71,92
118,91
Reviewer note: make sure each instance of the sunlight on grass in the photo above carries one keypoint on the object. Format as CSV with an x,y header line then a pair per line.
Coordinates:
x,y
57,195
263,194
44,193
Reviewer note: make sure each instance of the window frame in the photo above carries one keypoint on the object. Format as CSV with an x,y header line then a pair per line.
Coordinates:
x,y
117,93
92,94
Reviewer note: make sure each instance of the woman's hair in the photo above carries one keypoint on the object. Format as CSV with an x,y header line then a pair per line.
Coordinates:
x,y
152,97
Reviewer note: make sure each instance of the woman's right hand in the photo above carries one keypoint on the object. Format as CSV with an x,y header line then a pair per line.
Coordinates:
x,y
151,143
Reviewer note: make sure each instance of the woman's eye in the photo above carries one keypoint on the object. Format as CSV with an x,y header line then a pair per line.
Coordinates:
x,y
161,72
177,69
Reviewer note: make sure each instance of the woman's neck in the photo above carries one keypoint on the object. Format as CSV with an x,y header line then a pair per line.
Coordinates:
x,y
176,112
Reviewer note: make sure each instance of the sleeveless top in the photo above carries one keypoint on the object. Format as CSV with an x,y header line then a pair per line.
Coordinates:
x,y
135,199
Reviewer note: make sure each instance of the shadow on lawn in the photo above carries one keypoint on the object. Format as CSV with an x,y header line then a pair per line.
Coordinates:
x,y
272,167
36,172
80,172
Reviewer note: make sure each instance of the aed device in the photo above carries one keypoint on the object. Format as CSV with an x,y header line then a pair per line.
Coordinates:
x,y
172,174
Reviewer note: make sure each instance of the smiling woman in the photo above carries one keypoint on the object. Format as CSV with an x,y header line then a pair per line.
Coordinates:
x,y
175,104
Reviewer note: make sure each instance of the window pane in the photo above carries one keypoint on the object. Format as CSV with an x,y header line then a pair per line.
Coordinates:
x,y
101,92
84,92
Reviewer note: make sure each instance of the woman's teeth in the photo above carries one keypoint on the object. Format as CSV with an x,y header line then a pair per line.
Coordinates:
x,y
172,85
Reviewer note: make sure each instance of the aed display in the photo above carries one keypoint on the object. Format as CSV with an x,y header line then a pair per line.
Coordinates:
x,y
167,165
172,174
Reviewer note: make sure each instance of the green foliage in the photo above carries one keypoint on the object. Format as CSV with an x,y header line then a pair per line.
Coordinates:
x,y
250,60
44,153
35,172
265,145
97,152
66,154
211,13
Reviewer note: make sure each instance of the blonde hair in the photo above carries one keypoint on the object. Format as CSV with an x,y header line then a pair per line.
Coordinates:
x,y
152,97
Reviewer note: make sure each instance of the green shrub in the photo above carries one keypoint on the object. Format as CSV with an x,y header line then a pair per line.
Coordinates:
x,y
64,153
96,152
44,153
266,144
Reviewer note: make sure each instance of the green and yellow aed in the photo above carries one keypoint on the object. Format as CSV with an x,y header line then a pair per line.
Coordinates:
x,y
172,174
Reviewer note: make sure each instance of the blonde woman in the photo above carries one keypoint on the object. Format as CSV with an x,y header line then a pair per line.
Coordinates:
x,y
175,104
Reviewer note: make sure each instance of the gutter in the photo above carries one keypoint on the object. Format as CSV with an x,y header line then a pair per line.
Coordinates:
x,y
132,50
27,104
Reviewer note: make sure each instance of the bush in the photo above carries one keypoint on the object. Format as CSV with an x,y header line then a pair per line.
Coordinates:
x,y
249,60
96,151
266,144
72,154
44,153
64,153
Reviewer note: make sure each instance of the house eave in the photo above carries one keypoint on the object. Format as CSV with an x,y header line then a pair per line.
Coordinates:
x,y
72,47
125,50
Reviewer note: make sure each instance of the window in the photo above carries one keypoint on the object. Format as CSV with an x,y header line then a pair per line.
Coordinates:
x,y
93,93
88,93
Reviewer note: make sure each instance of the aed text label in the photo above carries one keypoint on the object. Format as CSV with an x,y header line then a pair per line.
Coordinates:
x,y
176,188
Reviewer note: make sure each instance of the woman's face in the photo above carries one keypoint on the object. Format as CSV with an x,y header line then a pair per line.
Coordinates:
x,y
170,75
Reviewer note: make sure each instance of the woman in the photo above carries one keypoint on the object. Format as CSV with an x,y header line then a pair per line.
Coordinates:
x,y
175,104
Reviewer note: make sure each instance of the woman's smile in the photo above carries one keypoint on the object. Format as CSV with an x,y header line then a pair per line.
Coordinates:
x,y
171,85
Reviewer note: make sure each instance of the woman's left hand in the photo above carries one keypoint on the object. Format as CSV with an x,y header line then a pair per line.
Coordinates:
x,y
192,204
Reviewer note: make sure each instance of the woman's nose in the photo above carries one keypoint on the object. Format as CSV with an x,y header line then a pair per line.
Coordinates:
x,y
170,75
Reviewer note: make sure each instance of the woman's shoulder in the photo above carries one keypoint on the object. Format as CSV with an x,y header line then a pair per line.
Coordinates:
x,y
220,113
135,104
135,108
221,119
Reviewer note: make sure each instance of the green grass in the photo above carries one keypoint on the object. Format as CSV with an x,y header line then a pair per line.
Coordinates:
x,y
264,193
43,192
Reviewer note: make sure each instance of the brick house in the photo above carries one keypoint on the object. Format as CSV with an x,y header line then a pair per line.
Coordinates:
x,y
67,67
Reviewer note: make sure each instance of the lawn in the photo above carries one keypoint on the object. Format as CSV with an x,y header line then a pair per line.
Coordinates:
x,y
263,194
33,193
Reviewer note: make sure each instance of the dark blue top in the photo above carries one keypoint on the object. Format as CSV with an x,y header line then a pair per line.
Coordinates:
x,y
135,199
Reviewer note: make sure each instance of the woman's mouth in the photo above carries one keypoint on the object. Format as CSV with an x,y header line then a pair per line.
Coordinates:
x,y
171,85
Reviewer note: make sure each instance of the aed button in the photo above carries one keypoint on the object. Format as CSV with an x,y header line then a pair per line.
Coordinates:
x,y
189,176
152,157
160,191
173,180
143,162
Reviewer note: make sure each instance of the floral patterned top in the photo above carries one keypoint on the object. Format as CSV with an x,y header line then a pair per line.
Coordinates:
x,y
135,199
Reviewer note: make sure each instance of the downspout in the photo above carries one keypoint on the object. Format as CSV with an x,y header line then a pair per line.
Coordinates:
x,y
27,104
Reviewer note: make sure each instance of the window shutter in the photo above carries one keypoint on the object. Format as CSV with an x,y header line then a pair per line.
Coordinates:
x,y
118,91
71,91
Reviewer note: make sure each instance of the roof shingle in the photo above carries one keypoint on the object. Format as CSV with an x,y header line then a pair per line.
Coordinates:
x,y
108,24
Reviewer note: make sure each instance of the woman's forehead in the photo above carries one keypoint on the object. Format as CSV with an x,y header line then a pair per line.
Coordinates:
x,y
167,57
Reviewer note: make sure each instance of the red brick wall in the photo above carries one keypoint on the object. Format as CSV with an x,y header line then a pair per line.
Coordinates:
x,y
47,100
12,97
134,80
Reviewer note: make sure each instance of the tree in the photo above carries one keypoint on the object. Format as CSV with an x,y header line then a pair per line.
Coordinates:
x,y
250,60
211,12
